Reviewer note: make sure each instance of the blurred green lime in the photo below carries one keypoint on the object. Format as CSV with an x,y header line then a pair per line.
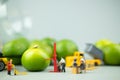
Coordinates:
x,y
103,43
65,48
111,51
112,54
40,44
15,47
48,41
15,60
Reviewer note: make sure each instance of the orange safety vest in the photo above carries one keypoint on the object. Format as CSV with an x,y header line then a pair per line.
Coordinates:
x,y
9,66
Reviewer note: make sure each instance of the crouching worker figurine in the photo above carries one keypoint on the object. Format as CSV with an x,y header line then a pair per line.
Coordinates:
x,y
59,67
9,67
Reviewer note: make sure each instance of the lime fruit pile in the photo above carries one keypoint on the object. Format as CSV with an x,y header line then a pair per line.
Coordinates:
x,y
35,55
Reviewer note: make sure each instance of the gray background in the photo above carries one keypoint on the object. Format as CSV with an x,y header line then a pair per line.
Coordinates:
x,y
83,21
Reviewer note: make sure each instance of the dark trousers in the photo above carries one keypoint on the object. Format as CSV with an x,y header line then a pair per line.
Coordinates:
x,y
9,72
59,68
63,67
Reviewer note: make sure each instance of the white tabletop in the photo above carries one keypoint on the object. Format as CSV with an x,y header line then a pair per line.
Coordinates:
x,y
100,73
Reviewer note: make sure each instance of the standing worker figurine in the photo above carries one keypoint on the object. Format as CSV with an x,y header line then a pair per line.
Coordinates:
x,y
9,66
75,63
62,62
75,67
82,65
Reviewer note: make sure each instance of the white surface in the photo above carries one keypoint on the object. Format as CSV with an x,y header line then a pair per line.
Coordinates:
x,y
100,73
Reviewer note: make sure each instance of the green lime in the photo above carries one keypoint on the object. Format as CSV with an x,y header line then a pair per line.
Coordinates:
x,y
39,43
112,54
15,47
15,60
65,48
102,43
35,59
111,51
49,41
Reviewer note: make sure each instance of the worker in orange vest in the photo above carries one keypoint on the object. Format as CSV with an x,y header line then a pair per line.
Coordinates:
x,y
9,66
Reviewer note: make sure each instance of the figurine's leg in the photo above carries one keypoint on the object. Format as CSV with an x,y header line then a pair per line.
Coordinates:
x,y
9,72
64,69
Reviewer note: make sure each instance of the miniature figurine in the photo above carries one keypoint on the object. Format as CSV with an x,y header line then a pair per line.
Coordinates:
x,y
75,63
59,67
75,67
82,65
9,66
62,62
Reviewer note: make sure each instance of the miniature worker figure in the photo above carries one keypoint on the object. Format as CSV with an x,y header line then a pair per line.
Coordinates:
x,y
62,62
75,63
75,67
59,67
9,66
82,65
